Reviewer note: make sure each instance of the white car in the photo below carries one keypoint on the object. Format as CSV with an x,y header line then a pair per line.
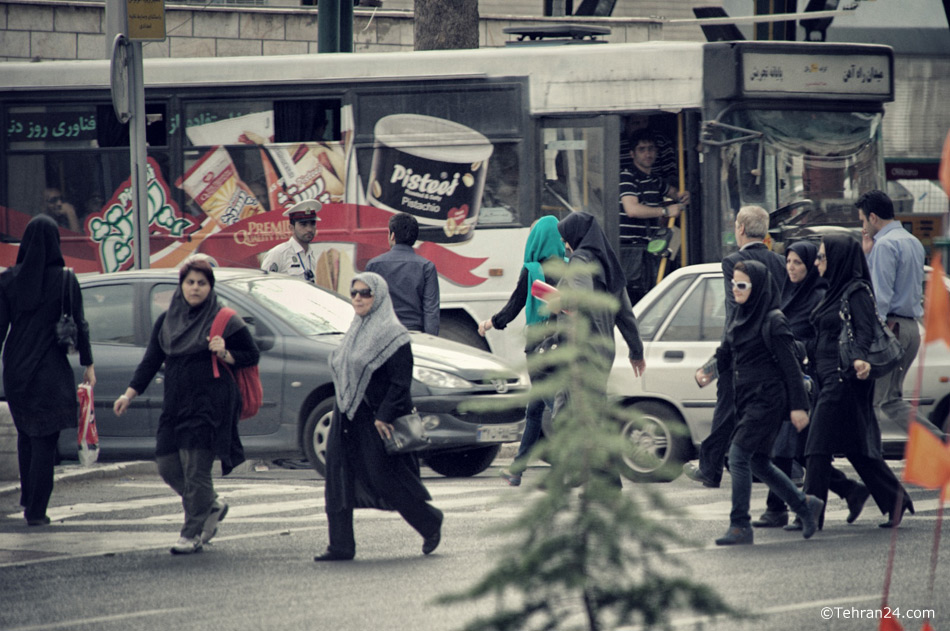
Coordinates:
x,y
681,322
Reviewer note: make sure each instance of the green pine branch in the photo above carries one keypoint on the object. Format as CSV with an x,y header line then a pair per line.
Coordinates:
x,y
585,554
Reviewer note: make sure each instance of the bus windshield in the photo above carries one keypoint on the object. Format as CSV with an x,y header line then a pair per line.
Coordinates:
x,y
805,167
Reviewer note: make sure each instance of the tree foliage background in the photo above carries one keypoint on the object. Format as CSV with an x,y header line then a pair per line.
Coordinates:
x,y
585,554
445,24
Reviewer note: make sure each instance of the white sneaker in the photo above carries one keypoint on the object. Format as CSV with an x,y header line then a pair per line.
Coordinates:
x,y
219,511
187,546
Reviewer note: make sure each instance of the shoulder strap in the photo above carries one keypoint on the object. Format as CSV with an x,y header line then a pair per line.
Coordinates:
x,y
767,329
221,320
217,328
67,292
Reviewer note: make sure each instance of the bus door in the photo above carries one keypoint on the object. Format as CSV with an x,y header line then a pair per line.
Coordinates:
x,y
580,168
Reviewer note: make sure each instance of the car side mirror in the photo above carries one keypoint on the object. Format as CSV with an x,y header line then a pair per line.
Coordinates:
x,y
263,336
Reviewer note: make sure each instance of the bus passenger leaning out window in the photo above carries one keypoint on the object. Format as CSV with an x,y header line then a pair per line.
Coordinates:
x,y
646,200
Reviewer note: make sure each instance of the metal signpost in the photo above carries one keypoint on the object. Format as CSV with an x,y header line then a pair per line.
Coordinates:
x,y
131,22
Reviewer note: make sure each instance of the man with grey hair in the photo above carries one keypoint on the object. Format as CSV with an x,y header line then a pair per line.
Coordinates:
x,y
752,226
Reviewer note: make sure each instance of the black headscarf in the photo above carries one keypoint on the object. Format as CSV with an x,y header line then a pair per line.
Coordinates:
x,y
845,265
186,328
798,299
762,298
584,234
39,249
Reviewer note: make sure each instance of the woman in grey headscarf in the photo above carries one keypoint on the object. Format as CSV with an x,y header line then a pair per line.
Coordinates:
x,y
372,374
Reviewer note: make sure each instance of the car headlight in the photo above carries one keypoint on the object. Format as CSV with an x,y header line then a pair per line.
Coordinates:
x,y
439,379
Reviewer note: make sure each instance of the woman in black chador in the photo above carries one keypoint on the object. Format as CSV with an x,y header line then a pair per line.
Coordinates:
x,y
844,421
372,374
768,389
37,378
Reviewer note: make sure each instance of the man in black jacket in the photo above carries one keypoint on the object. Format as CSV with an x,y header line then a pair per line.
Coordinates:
x,y
752,224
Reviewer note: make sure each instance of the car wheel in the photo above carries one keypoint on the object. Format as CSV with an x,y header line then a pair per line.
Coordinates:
x,y
462,464
462,332
316,431
659,441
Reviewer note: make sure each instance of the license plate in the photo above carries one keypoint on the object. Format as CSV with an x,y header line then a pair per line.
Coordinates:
x,y
497,433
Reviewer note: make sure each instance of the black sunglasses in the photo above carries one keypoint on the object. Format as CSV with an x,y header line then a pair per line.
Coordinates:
x,y
365,293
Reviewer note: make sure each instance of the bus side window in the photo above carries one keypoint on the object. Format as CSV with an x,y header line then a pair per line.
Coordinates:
x,y
111,133
306,121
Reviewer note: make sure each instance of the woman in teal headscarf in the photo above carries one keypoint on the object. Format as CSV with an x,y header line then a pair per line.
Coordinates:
x,y
544,243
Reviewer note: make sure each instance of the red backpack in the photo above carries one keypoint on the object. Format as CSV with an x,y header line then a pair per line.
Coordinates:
x,y
248,378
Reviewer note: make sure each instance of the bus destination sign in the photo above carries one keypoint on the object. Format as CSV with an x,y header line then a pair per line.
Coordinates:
x,y
860,75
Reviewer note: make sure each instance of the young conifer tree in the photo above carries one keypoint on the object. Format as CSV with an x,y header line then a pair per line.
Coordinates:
x,y
584,553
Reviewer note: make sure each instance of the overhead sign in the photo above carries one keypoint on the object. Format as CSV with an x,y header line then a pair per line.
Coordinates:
x,y
146,20
811,73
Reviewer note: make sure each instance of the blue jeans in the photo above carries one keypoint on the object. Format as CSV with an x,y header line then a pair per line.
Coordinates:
x,y
742,464
534,414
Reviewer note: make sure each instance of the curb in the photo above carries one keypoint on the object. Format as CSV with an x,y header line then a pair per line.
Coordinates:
x,y
77,472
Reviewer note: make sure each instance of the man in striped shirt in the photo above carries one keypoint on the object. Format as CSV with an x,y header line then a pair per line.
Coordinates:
x,y
643,205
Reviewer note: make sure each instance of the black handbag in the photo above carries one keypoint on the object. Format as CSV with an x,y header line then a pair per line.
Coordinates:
x,y
408,434
66,330
885,352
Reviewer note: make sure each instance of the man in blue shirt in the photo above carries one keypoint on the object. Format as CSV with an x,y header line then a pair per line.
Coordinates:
x,y
896,261
413,281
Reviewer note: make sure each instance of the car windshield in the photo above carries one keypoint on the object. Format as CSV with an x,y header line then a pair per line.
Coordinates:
x,y
310,310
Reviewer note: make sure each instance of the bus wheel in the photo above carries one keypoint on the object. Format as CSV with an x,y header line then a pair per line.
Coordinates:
x,y
462,331
316,431
659,442
462,464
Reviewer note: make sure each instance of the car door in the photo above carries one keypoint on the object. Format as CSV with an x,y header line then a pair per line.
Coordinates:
x,y
118,345
685,340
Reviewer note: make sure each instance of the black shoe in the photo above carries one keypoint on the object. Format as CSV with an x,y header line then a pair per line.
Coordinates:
x,y
893,521
696,474
44,521
771,519
856,499
795,525
736,536
813,508
329,555
430,543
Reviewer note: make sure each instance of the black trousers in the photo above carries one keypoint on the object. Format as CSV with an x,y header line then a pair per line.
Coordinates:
x,y
874,472
423,516
36,456
838,483
713,450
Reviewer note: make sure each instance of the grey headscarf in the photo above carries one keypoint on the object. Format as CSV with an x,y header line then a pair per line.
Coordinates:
x,y
369,342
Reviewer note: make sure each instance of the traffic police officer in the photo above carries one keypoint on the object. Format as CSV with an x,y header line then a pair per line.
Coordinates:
x,y
295,257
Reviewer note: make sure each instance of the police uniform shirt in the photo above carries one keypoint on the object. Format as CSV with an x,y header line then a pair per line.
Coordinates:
x,y
290,258
649,190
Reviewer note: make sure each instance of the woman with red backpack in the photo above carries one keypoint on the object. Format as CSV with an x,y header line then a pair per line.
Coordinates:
x,y
200,410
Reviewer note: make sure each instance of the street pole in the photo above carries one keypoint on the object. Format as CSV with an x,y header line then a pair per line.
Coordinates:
x,y
138,158
335,26
125,31
328,26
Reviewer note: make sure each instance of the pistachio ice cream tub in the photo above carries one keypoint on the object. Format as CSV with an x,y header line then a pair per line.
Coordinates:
x,y
431,168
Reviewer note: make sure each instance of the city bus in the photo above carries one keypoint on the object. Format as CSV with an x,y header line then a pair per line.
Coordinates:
x,y
477,144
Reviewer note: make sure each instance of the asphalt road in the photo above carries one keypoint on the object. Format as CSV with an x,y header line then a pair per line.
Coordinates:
x,y
104,563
